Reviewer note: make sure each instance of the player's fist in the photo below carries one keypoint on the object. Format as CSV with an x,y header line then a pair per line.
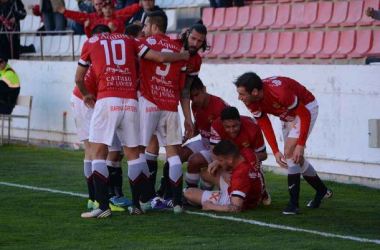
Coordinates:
x,y
370,11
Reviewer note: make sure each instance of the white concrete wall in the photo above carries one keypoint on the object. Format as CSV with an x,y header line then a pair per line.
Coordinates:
x,y
348,97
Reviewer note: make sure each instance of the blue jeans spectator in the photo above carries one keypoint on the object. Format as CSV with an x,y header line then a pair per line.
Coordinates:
x,y
77,28
54,21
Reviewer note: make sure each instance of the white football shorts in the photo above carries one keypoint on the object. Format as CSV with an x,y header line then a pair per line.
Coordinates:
x,y
82,116
220,197
114,114
166,125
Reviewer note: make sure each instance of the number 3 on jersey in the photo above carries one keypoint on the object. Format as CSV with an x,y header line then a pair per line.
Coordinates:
x,y
114,44
164,72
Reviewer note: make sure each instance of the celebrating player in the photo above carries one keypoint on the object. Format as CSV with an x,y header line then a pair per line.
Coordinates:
x,y
297,108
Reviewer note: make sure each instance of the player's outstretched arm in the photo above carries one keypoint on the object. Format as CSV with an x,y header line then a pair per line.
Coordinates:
x,y
235,206
166,57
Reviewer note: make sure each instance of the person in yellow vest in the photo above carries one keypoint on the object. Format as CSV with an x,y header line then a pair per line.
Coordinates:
x,y
9,86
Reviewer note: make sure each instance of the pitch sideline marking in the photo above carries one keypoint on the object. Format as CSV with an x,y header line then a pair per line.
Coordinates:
x,y
230,218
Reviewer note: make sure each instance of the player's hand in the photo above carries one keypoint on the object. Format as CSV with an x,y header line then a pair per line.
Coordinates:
x,y
86,23
185,53
89,100
212,168
112,26
226,177
370,11
298,154
189,128
60,9
207,205
280,159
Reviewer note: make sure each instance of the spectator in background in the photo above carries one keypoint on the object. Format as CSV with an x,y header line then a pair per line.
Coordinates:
x,y
11,12
125,3
9,86
139,17
371,12
53,20
116,24
92,19
375,14
85,6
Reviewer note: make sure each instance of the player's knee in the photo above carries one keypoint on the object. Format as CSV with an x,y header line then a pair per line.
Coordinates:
x,y
194,164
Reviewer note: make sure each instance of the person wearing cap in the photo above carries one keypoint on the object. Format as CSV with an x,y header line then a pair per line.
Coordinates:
x,y
140,16
9,86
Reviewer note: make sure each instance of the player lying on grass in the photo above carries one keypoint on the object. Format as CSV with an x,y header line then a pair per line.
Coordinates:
x,y
244,190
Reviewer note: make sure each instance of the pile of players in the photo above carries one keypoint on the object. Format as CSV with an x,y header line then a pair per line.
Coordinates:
x,y
127,96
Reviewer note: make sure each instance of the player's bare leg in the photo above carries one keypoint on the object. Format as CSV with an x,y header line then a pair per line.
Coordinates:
x,y
194,165
194,195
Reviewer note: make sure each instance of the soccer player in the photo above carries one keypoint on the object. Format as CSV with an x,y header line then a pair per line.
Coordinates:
x,y
297,108
245,189
112,58
193,40
160,86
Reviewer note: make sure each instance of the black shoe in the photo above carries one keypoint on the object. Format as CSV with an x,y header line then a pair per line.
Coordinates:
x,y
291,210
316,201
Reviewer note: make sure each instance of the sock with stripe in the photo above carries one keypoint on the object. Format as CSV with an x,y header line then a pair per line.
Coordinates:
x,y
309,174
134,174
151,160
192,179
101,177
175,176
111,165
294,182
87,168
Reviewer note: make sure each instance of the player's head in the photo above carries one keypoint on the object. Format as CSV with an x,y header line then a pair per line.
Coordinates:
x,y
98,5
194,38
134,30
148,5
231,121
108,8
155,22
249,87
3,60
198,94
101,28
226,152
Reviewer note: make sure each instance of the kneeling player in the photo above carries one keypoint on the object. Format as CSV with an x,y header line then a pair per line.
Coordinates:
x,y
245,189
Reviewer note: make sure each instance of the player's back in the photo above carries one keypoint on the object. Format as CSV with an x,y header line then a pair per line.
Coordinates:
x,y
161,82
112,58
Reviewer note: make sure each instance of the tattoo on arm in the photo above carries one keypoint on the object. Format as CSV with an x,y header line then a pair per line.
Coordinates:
x,y
234,208
185,93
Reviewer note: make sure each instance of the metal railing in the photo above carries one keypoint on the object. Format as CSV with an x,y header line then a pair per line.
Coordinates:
x,y
40,34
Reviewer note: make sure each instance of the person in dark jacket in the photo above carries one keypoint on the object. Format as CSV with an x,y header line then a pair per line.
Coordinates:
x,y
140,16
11,12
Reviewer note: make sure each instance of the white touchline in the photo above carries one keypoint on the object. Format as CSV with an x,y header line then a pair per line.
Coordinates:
x,y
230,218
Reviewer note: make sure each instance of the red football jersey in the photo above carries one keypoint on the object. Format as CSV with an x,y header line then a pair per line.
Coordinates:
x,y
281,96
161,83
89,82
250,135
112,58
247,181
205,117
193,65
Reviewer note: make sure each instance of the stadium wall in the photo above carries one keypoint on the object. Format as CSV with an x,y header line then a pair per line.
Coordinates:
x,y
348,95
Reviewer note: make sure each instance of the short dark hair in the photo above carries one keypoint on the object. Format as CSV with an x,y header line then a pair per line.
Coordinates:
x,y
101,28
196,83
230,113
249,81
201,29
159,18
226,148
133,30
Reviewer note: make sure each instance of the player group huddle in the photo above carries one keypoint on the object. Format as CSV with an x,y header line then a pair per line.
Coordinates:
x,y
126,100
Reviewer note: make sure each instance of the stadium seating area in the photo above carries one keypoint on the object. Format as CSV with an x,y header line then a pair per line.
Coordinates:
x,y
271,31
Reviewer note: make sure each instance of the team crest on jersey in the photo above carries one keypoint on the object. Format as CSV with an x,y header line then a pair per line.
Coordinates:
x,y
276,83
94,39
151,41
245,144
